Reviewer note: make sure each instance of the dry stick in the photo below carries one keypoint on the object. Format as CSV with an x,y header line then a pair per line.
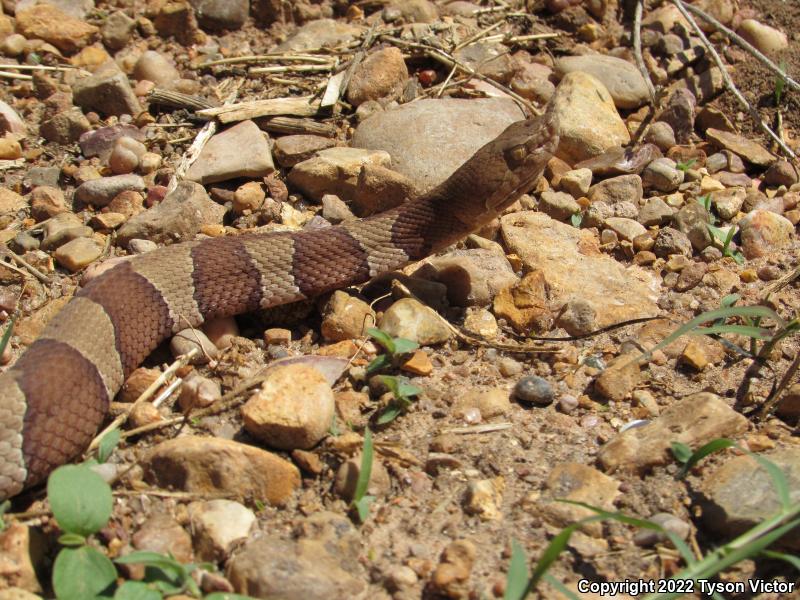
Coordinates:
x,y
10,75
516,39
23,263
311,58
151,389
369,39
446,59
637,52
292,69
446,82
729,83
474,38
746,45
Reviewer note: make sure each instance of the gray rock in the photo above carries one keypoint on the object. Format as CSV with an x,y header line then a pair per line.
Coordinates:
x,y
535,390
220,14
65,127
222,157
292,149
99,192
671,241
617,189
106,91
187,340
323,562
62,228
728,202
654,212
154,66
661,134
578,317
320,33
410,319
117,29
662,175
626,229
42,176
176,218
622,79
679,113
414,134
489,59
558,205
692,220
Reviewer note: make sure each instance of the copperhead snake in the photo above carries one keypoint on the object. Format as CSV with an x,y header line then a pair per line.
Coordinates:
x,y
55,397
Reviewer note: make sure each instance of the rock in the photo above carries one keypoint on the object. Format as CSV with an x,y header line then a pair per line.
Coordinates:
x,y
767,39
626,229
410,319
99,192
345,317
484,498
662,135
575,268
379,189
782,172
588,121
679,114
65,127
100,142
78,253
414,134
106,91
789,405
177,19
621,161
619,378
655,212
617,189
480,322
347,478
63,228
763,232
10,121
559,205
125,156
203,465
16,566
741,494
415,11
178,217
334,171
46,22
320,33
491,402
535,390
117,29
249,196
710,116
728,202
217,525
216,15
671,241
293,409
622,79
11,202
491,60
292,149
198,392
701,352
748,150
222,157
576,182
451,577
577,317
692,220
335,210
10,148
525,304
381,75
578,483
473,277
691,276
321,563
155,67
662,175
161,533
187,340
693,420
127,203
418,364
669,522
532,81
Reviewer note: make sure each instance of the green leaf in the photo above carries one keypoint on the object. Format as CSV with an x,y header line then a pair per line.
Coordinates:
x,y
7,335
383,338
136,590
4,506
789,558
390,413
778,480
71,539
407,390
404,346
563,590
365,472
108,444
225,596
517,578
681,452
149,559
81,573
80,499
392,382
729,300
702,452
362,507
745,330
378,363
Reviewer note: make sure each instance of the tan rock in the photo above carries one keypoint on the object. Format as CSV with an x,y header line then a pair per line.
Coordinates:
x,y
345,317
524,305
16,566
78,253
212,465
381,75
11,201
410,319
46,22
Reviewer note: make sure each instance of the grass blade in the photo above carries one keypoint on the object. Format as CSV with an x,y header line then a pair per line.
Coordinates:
x,y
7,335
517,578
789,558
701,453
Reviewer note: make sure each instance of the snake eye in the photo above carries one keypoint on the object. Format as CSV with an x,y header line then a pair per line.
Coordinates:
x,y
517,154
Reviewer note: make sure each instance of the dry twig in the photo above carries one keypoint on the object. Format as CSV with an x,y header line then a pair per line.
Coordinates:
x,y
637,52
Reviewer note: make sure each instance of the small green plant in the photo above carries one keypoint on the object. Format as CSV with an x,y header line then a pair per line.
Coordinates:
x,y
164,574
705,202
685,165
576,219
361,500
4,506
397,350
403,393
780,84
725,240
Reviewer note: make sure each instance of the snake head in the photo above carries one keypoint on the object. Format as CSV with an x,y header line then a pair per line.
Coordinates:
x,y
524,147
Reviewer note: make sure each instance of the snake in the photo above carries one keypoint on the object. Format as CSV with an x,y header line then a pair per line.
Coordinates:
x,y
57,394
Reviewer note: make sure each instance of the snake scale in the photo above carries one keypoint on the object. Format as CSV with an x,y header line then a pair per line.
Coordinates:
x,y
55,397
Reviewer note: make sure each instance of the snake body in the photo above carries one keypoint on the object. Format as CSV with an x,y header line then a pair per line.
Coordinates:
x,y
55,397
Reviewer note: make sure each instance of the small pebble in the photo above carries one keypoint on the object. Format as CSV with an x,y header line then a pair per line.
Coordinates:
x,y
534,389
567,403
509,367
